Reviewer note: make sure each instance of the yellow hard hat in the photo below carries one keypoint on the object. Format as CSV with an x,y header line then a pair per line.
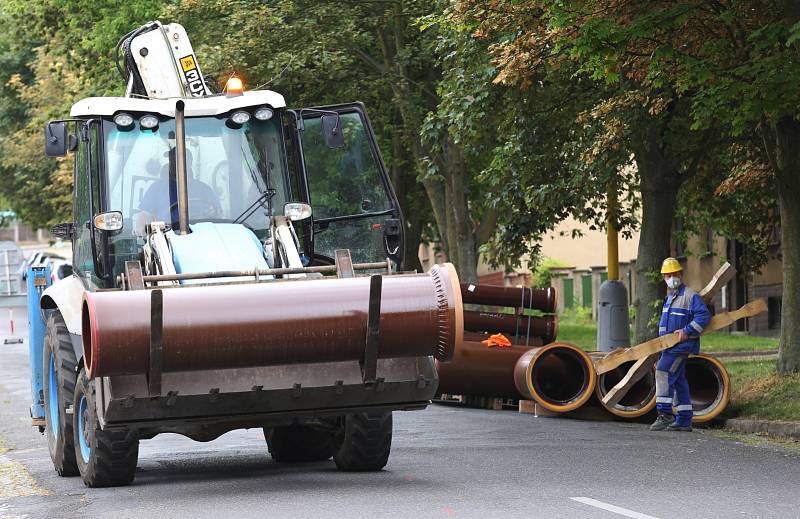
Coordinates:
x,y
670,266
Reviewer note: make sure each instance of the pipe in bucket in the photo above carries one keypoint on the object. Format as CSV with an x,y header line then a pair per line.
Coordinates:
x,y
263,324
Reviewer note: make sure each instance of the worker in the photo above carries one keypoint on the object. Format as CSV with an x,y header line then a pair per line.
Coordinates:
x,y
685,314
160,201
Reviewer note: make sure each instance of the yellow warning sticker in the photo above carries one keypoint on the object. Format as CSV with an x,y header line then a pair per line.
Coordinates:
x,y
187,63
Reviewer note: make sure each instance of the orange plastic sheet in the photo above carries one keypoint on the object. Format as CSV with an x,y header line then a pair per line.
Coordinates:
x,y
497,340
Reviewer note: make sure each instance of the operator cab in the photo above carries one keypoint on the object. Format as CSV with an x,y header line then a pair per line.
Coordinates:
x,y
247,157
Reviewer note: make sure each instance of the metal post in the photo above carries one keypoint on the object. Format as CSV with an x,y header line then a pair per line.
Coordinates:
x,y
611,231
180,164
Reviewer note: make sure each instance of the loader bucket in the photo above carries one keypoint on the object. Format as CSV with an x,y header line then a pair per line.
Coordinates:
x,y
270,323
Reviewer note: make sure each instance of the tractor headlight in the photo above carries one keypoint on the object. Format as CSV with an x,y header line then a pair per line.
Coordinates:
x,y
263,114
148,121
240,117
123,121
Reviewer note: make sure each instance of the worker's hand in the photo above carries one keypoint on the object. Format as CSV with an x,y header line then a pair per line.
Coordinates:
x,y
681,335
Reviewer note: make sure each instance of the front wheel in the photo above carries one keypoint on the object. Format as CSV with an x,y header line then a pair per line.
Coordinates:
x,y
58,378
299,443
106,458
364,442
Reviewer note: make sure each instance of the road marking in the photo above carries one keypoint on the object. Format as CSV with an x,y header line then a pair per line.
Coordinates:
x,y
612,508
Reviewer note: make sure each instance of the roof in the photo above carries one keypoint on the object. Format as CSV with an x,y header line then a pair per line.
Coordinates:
x,y
195,107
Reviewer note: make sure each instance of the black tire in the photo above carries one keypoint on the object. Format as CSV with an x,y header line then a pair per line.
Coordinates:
x,y
364,442
58,424
108,457
299,443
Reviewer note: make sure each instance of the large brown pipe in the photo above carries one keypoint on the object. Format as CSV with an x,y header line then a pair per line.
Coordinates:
x,y
272,323
559,376
545,327
638,401
543,299
709,385
476,369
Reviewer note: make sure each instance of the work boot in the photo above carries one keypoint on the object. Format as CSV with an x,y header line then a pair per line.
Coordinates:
x,y
662,422
675,426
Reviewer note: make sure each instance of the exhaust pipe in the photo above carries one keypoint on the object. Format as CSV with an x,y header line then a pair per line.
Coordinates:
x,y
710,386
638,401
559,376
265,324
181,170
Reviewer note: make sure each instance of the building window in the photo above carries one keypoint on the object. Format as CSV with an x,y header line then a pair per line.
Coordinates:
x,y
774,313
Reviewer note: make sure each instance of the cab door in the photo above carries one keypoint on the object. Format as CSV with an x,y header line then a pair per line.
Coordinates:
x,y
344,180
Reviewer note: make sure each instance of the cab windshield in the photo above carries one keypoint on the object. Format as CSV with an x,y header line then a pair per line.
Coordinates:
x,y
232,172
235,174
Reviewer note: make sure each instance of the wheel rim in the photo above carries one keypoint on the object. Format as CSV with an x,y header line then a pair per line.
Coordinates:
x,y
83,431
52,394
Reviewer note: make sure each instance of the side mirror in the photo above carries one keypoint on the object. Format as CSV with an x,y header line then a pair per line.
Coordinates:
x,y
63,230
334,138
296,211
56,139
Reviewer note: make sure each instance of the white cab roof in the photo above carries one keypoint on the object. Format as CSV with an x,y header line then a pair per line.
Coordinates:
x,y
194,107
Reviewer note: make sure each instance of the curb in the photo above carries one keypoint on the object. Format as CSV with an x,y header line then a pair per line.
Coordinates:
x,y
773,428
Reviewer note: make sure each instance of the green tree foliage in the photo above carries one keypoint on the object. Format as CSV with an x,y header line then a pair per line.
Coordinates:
x,y
321,52
53,53
736,64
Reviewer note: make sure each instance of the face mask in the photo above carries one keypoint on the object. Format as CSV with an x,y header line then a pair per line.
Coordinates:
x,y
673,282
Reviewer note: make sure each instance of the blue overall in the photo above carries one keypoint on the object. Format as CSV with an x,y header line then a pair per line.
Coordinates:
x,y
683,310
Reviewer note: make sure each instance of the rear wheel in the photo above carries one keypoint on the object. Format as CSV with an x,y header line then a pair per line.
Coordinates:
x,y
298,443
58,377
364,442
106,458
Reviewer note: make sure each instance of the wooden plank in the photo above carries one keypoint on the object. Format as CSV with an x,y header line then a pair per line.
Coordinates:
x,y
720,279
634,375
634,353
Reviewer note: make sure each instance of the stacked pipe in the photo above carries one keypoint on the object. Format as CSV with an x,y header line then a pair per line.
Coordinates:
x,y
559,376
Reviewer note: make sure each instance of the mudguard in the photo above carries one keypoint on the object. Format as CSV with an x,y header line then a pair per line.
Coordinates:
x,y
66,296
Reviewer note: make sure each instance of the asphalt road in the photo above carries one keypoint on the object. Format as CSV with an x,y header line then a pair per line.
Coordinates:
x,y
446,462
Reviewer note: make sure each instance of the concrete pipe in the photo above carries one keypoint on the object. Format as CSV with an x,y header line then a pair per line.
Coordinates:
x,y
545,327
559,376
272,323
476,369
543,299
638,401
710,386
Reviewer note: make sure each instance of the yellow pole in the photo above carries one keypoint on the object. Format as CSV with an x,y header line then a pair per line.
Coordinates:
x,y
611,232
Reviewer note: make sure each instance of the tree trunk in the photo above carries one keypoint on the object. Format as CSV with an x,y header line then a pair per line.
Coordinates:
x,y
464,242
786,162
659,182
658,208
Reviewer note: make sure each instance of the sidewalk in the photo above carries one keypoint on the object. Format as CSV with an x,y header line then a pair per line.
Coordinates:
x,y
773,428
